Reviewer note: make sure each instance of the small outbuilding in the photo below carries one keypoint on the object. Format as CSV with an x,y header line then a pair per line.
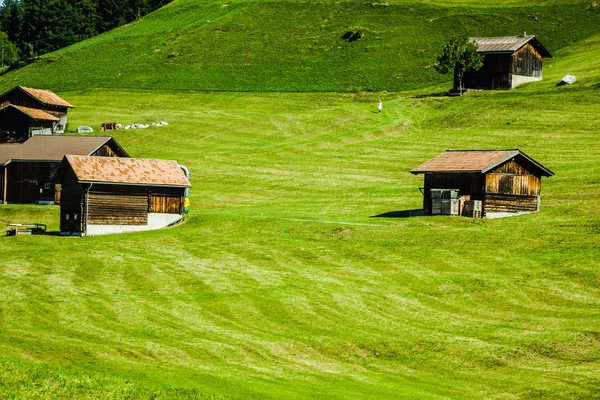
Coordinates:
x,y
508,61
26,169
103,195
481,183
25,112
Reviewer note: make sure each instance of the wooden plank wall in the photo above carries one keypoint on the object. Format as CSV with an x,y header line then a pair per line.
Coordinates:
x,y
493,74
105,151
117,208
527,61
3,187
519,185
165,203
510,203
20,98
71,205
467,184
514,179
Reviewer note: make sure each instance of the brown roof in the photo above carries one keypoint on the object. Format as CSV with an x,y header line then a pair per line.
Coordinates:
x,y
132,171
51,148
34,113
46,96
507,44
475,161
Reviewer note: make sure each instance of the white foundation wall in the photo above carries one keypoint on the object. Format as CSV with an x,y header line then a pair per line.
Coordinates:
x,y
155,221
520,79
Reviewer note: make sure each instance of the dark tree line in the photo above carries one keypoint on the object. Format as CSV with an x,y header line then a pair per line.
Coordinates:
x,y
37,27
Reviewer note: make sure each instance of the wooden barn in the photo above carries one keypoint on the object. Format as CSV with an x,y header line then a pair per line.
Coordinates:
x,y
25,112
26,169
508,61
481,183
18,123
103,195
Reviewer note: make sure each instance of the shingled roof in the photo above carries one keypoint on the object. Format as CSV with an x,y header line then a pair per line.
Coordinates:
x,y
34,113
476,161
52,148
45,96
507,44
130,171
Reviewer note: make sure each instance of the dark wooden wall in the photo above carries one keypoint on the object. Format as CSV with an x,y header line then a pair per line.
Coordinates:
x,y
494,74
72,212
3,187
527,61
467,184
30,182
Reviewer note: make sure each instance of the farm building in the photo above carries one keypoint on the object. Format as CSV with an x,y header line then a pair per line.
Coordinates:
x,y
508,61
25,112
26,169
481,183
103,195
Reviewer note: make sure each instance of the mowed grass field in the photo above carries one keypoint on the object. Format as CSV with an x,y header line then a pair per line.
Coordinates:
x,y
283,282
295,46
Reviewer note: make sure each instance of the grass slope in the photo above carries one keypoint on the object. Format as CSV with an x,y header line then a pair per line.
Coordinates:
x,y
282,284
294,46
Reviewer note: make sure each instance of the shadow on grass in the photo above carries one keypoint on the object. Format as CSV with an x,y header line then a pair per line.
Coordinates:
x,y
424,96
400,214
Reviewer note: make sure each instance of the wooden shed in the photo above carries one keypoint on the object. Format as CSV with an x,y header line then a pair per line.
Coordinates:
x,y
508,61
19,127
103,195
26,169
485,182
18,123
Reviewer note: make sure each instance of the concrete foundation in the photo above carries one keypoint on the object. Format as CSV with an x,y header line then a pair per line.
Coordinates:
x,y
155,221
493,215
520,79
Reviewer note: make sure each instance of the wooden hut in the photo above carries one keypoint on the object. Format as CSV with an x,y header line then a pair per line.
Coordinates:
x,y
18,123
26,169
481,183
508,61
103,195
33,111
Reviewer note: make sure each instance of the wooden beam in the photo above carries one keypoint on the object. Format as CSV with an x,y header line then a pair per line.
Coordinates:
x,y
4,185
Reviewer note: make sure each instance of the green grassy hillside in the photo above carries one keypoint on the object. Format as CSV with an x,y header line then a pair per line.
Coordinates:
x,y
283,283
295,46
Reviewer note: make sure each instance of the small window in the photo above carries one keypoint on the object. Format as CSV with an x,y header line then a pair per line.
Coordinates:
x,y
47,186
66,217
74,217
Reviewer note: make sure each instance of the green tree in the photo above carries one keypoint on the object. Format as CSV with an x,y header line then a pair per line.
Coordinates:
x,y
9,52
459,56
11,19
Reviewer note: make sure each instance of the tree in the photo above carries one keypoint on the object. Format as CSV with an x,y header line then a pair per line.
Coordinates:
x,y
10,52
11,19
458,56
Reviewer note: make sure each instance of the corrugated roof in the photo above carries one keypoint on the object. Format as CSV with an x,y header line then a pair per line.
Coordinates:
x,y
507,44
46,96
133,171
474,161
34,113
51,148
